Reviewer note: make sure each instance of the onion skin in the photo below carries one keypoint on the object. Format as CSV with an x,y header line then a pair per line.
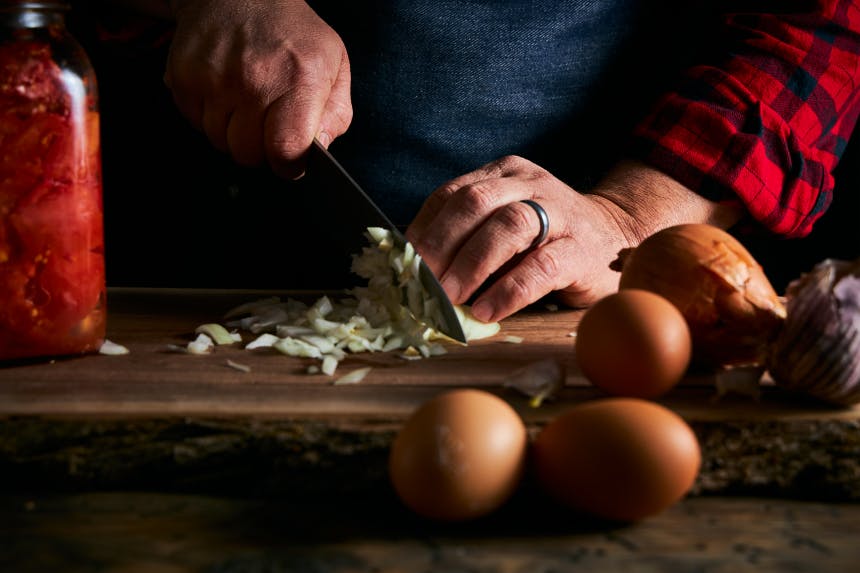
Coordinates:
x,y
730,305
817,353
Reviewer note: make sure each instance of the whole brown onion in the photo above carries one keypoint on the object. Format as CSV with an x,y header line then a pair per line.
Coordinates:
x,y
818,351
730,305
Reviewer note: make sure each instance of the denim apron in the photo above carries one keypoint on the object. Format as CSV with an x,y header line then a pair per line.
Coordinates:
x,y
440,88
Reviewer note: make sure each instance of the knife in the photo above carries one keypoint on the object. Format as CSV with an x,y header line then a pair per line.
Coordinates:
x,y
356,211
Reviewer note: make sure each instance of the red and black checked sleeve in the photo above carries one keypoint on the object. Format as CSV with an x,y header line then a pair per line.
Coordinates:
x,y
767,117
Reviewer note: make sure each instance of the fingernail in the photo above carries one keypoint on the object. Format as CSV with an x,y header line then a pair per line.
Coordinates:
x,y
483,310
324,138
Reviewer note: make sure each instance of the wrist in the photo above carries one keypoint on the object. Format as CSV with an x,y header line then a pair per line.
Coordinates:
x,y
647,200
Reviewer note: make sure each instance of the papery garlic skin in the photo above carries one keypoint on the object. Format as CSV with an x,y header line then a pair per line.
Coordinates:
x,y
730,306
817,352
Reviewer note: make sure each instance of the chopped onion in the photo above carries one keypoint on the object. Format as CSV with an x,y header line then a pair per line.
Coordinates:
x,y
541,380
297,347
473,328
329,365
743,380
265,340
237,366
392,312
218,333
353,377
109,348
201,345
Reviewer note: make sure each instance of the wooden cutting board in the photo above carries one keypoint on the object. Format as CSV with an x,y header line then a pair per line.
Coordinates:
x,y
153,379
99,417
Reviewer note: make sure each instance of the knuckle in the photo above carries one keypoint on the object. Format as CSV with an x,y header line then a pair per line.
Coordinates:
x,y
445,192
473,257
515,218
526,287
508,163
546,264
477,198
519,289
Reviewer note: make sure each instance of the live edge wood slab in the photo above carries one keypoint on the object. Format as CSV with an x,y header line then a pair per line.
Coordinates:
x,y
161,420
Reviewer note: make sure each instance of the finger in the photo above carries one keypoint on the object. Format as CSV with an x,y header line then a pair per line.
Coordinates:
x,y
290,125
245,137
508,166
337,112
505,167
429,211
465,211
215,120
509,230
540,272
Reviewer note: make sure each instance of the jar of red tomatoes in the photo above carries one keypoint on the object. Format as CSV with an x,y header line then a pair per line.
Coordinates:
x,y
52,276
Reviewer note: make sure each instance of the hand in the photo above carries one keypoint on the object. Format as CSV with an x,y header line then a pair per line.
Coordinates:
x,y
474,225
261,79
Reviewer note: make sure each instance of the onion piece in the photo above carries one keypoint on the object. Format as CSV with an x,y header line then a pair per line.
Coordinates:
x,y
728,302
265,340
392,312
203,344
217,333
742,380
109,348
237,366
329,365
353,377
541,380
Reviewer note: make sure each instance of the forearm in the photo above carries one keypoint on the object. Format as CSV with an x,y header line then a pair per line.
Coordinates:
x,y
644,200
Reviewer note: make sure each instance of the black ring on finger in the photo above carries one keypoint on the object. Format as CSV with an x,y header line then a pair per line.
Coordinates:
x,y
543,218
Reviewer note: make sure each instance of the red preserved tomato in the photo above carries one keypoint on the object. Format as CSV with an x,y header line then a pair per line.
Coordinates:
x,y
52,292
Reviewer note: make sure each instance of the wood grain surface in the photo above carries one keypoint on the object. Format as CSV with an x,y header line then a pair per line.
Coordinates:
x,y
158,462
156,419
158,533
152,380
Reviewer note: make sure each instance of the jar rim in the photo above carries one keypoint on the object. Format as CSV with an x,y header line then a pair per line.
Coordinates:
x,y
36,5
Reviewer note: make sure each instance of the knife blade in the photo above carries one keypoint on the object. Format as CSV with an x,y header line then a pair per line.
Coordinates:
x,y
357,212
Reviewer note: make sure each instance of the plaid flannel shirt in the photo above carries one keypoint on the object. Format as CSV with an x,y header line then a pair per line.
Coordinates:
x,y
766,120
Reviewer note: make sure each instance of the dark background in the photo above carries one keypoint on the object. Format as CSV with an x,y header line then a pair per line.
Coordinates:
x,y
180,214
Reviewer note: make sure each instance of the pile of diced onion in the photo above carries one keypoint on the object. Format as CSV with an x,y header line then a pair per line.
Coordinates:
x,y
392,313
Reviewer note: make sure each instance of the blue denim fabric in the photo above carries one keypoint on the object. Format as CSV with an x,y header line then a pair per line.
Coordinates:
x,y
443,87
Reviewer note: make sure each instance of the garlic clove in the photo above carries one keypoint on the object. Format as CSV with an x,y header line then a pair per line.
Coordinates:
x,y
817,353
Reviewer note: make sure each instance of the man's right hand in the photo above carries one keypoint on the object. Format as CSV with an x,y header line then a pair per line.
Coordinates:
x,y
261,79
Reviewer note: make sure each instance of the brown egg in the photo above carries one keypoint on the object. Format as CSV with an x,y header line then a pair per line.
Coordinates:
x,y
617,458
459,456
633,343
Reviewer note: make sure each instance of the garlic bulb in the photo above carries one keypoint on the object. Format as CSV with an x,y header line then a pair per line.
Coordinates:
x,y
730,306
818,350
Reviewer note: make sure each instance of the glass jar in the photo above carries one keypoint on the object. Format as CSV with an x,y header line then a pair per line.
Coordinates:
x,y
52,275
